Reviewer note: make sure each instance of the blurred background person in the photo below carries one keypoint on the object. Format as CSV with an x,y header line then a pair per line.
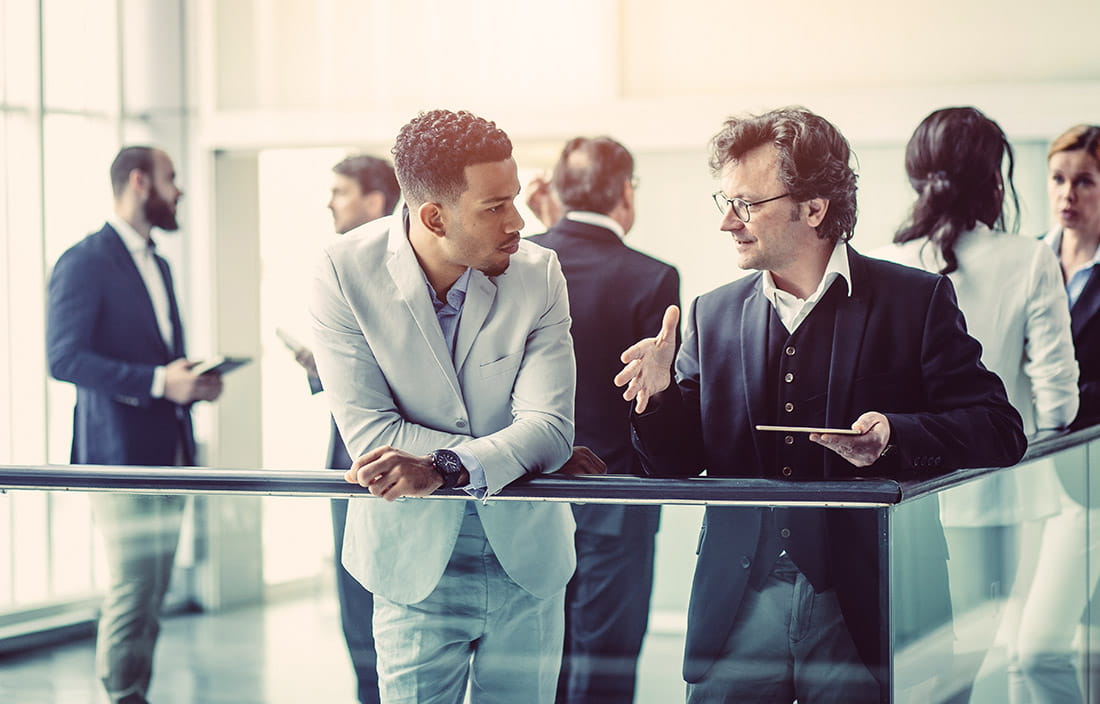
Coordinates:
x,y
364,188
1074,190
1010,291
616,296
1044,668
113,329
542,201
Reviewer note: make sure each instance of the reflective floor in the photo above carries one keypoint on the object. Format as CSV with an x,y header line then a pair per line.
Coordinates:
x,y
286,652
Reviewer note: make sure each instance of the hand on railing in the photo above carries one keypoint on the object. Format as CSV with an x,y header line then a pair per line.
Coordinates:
x,y
583,461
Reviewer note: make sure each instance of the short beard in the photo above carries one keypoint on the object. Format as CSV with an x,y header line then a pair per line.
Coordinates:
x,y
159,214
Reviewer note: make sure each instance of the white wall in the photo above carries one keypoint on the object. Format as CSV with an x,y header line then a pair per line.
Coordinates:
x,y
660,76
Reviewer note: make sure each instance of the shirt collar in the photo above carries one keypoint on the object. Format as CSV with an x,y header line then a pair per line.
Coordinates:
x,y
837,266
597,219
456,294
1054,239
130,237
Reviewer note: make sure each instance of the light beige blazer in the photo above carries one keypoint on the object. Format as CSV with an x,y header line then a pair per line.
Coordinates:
x,y
507,398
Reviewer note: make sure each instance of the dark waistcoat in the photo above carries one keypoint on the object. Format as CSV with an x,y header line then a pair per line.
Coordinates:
x,y
798,367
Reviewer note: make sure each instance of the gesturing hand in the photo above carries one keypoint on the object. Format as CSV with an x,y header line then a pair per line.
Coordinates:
x,y
649,362
864,449
391,474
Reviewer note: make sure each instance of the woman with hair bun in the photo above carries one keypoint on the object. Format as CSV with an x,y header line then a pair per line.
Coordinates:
x,y
1011,293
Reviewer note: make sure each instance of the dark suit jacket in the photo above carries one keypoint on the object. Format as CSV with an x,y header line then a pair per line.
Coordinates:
x,y
102,335
1085,324
899,347
617,296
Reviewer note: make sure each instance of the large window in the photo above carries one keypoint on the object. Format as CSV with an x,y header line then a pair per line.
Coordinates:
x,y
62,113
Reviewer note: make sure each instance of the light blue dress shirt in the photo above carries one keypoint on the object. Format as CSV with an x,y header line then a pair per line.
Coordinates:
x,y
448,313
1079,278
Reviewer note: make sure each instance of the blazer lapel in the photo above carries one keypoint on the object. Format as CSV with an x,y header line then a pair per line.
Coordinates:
x,y
411,285
851,320
479,299
754,354
1087,304
142,301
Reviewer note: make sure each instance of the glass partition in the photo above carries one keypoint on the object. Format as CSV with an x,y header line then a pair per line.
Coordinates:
x,y
981,580
1005,617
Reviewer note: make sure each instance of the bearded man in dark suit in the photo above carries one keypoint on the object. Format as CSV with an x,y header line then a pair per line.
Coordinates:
x,y
114,330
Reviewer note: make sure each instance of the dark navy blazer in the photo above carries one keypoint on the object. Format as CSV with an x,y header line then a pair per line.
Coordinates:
x,y
1085,324
617,296
102,336
899,346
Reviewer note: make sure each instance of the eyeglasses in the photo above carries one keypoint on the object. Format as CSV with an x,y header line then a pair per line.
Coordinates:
x,y
740,207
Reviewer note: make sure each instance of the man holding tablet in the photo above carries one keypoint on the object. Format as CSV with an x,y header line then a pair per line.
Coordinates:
x,y
784,603
114,330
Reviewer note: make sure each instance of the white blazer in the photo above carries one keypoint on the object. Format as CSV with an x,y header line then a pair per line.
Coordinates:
x,y
391,381
1010,291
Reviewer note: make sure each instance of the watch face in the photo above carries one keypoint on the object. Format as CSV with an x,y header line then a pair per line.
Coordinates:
x,y
447,461
449,466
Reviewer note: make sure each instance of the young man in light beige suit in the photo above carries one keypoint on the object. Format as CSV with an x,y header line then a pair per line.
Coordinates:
x,y
443,341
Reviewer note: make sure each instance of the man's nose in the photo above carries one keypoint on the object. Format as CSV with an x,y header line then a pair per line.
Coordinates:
x,y
515,223
731,222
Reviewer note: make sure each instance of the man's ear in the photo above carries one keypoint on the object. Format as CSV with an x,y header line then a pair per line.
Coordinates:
x,y
374,203
815,211
432,217
140,182
628,194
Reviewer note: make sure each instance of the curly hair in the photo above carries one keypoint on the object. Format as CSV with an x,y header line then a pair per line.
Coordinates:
x,y
433,150
372,174
954,161
813,160
590,174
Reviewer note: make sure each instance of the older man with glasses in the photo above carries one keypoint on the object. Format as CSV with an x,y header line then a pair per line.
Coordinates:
x,y
785,603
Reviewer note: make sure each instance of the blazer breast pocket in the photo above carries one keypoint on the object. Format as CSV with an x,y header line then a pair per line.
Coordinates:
x,y
507,363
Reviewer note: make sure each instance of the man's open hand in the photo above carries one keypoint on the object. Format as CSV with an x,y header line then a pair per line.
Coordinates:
x,y
648,369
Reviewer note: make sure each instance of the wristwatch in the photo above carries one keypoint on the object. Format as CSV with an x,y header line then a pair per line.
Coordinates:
x,y
449,466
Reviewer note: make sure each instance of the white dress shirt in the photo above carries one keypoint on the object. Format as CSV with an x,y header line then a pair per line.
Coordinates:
x,y
142,250
597,219
793,310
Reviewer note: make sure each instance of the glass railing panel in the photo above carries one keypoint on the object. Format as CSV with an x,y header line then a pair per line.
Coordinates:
x,y
285,644
998,620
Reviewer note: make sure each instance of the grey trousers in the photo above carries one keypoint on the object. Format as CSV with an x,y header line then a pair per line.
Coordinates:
x,y
140,534
787,643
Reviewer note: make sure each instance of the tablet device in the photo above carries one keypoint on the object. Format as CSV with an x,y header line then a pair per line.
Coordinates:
x,y
220,365
289,340
805,429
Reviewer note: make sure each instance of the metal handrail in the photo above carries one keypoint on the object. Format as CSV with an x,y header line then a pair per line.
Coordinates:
x,y
853,493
